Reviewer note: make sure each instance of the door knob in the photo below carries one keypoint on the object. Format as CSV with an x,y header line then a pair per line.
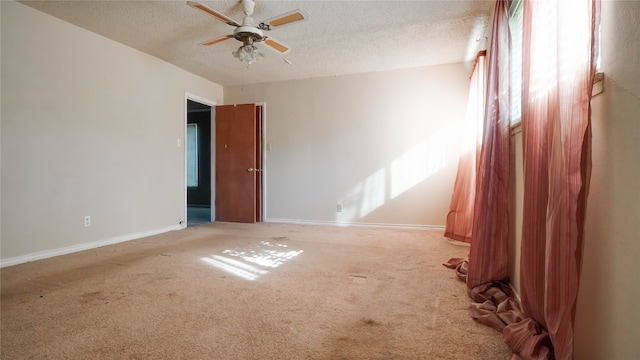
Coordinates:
x,y
253,169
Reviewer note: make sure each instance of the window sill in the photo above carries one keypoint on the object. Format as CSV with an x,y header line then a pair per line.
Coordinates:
x,y
516,128
598,84
598,88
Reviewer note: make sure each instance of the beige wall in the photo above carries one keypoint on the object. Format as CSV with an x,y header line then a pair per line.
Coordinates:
x,y
608,316
384,145
89,127
516,199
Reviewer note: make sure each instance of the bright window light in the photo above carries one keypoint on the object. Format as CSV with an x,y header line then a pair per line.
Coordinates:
x,y
192,155
515,77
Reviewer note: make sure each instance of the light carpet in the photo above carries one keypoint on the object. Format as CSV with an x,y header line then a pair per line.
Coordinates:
x,y
247,291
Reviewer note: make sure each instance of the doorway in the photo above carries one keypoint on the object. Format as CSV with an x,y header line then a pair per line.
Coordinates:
x,y
201,171
198,142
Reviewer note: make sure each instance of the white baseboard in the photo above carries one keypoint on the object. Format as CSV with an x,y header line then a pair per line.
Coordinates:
x,y
346,224
84,246
457,242
515,293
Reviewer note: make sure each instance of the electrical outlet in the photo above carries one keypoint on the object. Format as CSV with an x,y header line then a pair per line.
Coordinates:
x,y
339,208
87,221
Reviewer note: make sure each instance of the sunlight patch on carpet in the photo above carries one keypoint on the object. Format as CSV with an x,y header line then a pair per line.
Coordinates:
x,y
252,262
234,267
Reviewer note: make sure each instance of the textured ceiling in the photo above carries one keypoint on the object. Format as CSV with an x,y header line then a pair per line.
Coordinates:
x,y
339,37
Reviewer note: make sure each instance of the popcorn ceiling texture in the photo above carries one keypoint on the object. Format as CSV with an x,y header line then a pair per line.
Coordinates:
x,y
339,37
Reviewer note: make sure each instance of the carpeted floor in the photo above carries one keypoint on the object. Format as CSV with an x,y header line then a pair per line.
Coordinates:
x,y
238,291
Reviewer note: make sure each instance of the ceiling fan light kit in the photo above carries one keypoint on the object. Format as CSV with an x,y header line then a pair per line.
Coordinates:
x,y
248,54
249,34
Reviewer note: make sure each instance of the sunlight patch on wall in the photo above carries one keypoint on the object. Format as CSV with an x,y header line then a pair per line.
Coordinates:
x,y
406,171
418,163
250,263
365,197
373,192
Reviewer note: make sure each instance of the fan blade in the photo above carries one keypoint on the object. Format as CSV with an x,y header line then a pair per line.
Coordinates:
x,y
215,41
277,45
220,16
292,16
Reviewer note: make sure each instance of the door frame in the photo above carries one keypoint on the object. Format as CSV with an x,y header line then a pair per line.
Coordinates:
x,y
212,103
263,165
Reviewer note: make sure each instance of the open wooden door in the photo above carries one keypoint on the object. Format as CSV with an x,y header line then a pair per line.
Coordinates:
x,y
238,163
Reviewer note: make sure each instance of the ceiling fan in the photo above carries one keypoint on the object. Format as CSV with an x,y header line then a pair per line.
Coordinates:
x,y
248,33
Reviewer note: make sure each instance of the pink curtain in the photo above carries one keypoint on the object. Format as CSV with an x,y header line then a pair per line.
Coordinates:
x,y
486,271
460,216
488,259
559,43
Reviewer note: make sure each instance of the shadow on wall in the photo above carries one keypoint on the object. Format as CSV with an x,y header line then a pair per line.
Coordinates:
x,y
387,183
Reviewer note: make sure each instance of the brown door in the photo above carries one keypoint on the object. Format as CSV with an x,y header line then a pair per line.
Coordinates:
x,y
237,163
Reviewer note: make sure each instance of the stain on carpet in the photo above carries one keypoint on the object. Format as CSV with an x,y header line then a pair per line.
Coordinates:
x,y
363,338
370,322
358,278
90,297
279,238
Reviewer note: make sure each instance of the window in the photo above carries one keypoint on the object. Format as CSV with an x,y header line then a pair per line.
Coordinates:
x,y
598,82
515,77
192,155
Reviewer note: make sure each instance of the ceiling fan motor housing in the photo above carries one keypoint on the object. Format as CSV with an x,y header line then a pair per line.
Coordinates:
x,y
248,34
